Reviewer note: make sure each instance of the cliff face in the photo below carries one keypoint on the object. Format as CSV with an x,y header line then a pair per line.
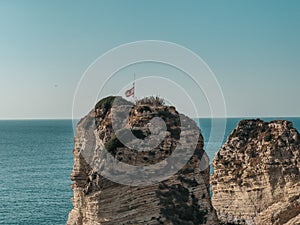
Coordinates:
x,y
256,175
183,198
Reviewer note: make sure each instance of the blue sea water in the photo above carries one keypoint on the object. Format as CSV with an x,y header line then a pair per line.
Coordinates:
x,y
35,165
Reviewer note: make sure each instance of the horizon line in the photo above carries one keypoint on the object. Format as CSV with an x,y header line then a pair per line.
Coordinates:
x,y
228,117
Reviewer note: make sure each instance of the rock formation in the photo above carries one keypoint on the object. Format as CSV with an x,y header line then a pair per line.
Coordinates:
x,y
183,198
256,175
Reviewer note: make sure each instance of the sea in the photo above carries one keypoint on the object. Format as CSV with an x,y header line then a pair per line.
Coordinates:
x,y
36,161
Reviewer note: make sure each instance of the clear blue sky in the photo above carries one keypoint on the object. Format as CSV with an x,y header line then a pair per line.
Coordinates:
x,y
252,47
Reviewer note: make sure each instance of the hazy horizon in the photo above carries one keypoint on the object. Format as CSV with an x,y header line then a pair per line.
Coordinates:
x,y
228,117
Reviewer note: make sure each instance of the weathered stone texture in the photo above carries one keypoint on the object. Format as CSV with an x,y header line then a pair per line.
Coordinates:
x,y
181,199
256,176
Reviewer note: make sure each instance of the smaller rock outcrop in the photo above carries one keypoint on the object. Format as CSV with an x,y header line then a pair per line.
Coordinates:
x,y
256,177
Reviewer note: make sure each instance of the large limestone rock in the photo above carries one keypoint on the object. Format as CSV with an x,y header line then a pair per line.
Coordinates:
x,y
256,175
181,199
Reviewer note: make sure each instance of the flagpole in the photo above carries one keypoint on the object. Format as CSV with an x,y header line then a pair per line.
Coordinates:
x,y
133,85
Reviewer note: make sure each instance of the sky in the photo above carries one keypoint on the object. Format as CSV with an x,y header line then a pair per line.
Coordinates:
x,y
252,47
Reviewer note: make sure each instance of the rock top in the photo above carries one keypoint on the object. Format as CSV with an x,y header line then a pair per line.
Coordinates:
x,y
256,177
182,198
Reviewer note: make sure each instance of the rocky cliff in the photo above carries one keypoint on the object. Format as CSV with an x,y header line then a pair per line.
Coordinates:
x,y
142,196
256,175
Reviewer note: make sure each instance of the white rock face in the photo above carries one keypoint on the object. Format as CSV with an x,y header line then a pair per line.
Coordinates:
x,y
181,199
256,175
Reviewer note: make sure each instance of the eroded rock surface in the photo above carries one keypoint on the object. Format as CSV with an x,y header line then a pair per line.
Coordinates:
x,y
181,199
256,175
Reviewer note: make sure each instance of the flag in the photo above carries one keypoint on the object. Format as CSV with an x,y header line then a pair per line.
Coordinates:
x,y
129,92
